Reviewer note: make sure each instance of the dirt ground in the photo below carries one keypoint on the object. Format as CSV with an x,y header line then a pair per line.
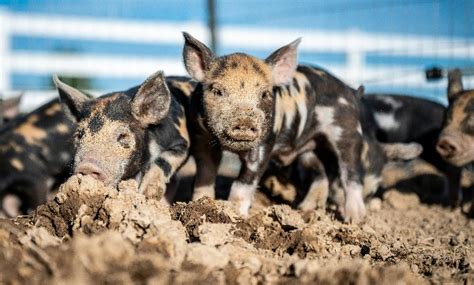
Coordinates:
x,y
90,234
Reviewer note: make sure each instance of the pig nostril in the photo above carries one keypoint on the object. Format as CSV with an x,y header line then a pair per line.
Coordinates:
x,y
253,129
91,170
446,148
96,175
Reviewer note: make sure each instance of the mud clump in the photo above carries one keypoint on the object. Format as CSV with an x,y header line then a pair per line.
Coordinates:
x,y
91,234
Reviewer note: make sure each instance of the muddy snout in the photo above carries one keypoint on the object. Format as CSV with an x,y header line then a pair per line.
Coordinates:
x,y
91,167
244,129
448,146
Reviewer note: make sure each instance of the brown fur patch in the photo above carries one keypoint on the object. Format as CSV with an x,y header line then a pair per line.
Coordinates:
x,y
458,113
186,87
31,133
17,164
249,69
53,110
62,128
100,105
183,130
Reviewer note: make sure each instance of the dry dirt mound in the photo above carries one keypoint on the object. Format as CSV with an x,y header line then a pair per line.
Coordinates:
x,y
92,234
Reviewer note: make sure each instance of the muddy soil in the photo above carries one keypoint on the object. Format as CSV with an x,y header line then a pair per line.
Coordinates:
x,y
91,234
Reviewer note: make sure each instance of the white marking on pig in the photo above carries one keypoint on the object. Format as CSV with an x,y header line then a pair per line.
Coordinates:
x,y
342,101
290,115
278,115
49,183
354,208
154,150
64,156
303,111
253,165
242,196
371,184
325,116
391,101
359,128
386,121
11,205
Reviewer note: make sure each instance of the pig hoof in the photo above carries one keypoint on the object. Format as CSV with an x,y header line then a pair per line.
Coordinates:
x,y
154,191
308,205
165,202
201,192
354,210
242,204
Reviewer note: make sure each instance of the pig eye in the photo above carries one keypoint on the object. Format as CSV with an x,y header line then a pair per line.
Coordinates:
x,y
216,92
79,134
124,140
265,95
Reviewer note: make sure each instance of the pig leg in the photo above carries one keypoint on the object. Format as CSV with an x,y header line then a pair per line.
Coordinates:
x,y
319,188
10,207
350,174
207,165
154,181
243,189
453,174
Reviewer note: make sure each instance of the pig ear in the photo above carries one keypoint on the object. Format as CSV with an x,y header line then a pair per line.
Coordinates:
x,y
152,101
454,84
197,57
284,62
70,97
360,92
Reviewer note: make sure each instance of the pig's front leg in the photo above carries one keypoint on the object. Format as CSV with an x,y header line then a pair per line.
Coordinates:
x,y
153,184
243,189
207,164
350,174
315,176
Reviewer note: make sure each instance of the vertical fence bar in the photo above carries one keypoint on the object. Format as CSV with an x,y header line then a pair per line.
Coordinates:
x,y
211,22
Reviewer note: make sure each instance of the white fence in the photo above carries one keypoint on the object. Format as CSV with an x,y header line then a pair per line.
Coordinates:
x,y
354,44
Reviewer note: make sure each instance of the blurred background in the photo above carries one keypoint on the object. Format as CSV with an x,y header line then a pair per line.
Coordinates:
x,y
102,46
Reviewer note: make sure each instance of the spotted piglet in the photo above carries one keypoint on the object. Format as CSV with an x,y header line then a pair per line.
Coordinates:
x,y
272,108
139,133
36,151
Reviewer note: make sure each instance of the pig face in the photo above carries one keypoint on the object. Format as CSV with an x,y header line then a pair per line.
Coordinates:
x,y
237,97
456,142
111,138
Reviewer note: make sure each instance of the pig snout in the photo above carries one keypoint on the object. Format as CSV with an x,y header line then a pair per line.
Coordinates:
x,y
92,169
244,129
447,147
